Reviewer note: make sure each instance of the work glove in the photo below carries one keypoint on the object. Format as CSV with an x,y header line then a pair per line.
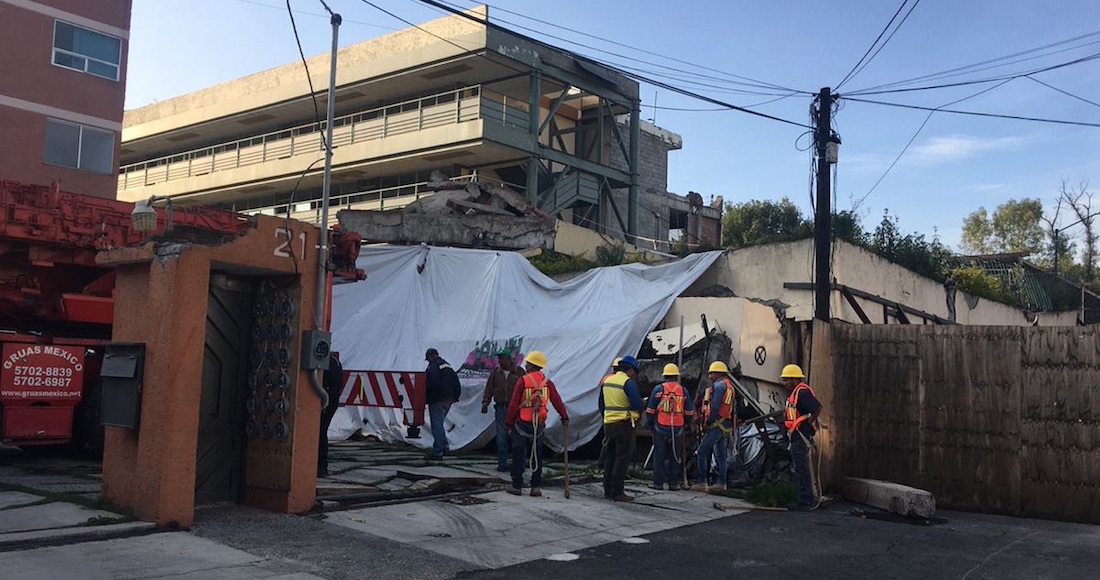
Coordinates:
x,y
565,421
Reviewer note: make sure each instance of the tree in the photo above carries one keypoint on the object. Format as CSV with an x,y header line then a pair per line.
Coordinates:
x,y
1014,227
753,223
1081,203
912,251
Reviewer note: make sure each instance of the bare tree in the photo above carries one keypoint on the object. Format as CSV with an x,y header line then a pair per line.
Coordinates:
x,y
1080,200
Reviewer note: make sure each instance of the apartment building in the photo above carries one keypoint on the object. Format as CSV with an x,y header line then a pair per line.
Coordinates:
x,y
456,96
62,90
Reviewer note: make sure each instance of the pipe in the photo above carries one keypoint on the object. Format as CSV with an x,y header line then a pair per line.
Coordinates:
x,y
322,246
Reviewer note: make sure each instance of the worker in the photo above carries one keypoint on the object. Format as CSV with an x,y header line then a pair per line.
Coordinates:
x,y
498,389
443,389
333,381
802,410
526,419
603,445
668,410
717,423
621,405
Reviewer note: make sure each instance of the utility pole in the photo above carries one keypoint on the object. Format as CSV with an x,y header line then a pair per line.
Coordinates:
x,y
825,148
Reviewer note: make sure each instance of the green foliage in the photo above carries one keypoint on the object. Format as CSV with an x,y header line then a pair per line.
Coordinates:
x,y
610,254
973,280
911,251
553,263
767,494
754,223
1014,227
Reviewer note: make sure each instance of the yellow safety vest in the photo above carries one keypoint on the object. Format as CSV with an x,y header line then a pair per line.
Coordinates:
x,y
616,405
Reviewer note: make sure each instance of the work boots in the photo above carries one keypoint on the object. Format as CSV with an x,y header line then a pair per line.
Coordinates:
x,y
699,487
623,498
536,492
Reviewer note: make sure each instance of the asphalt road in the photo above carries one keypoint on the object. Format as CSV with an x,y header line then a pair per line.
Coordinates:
x,y
836,544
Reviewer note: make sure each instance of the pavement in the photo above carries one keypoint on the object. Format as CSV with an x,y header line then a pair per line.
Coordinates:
x,y
483,533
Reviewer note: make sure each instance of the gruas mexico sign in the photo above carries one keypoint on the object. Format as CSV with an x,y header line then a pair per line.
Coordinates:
x,y
40,371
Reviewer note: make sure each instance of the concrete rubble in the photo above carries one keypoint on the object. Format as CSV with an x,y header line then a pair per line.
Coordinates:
x,y
892,497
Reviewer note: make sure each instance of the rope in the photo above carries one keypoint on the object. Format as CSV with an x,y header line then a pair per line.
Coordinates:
x,y
815,477
533,463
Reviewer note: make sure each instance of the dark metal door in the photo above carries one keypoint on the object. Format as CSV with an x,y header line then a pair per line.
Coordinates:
x,y
219,460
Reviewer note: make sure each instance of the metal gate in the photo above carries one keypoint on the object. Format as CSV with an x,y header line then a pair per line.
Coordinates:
x,y
219,459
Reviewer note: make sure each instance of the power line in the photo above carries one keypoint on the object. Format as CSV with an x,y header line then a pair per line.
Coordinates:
x,y
887,41
756,82
976,113
305,63
1076,61
856,205
621,71
851,73
1067,93
315,14
978,66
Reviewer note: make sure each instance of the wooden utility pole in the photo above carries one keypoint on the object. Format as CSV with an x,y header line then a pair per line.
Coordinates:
x,y
826,156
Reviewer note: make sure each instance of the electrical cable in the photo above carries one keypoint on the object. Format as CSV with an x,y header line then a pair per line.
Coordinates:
x,y
885,42
634,76
852,72
856,205
318,15
641,50
309,77
1067,93
965,69
976,113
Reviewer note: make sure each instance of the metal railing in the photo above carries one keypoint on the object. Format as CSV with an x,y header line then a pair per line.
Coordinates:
x,y
376,199
449,108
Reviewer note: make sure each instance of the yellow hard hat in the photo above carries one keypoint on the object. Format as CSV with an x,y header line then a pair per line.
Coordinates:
x,y
792,372
536,358
618,360
671,370
718,367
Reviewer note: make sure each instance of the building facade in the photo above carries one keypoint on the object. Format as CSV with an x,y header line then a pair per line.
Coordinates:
x,y
63,71
457,96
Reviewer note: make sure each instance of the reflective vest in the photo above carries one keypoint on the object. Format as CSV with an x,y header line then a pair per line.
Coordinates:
x,y
535,394
793,419
616,405
670,409
725,410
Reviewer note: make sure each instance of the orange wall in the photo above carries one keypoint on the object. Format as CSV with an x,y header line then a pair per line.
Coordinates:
x,y
162,301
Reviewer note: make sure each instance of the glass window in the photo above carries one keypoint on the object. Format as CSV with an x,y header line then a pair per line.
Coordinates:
x,y
80,147
86,51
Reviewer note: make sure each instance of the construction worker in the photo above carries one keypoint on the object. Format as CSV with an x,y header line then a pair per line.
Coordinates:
x,y
621,405
603,445
717,421
802,410
668,410
498,390
526,420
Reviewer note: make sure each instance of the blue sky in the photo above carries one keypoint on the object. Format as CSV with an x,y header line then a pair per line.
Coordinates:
x,y
955,165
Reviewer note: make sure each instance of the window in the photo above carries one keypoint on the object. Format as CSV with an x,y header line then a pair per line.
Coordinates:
x,y
86,51
80,147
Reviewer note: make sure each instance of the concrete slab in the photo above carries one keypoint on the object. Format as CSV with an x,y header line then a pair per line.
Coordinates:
x,y
169,555
365,475
71,487
507,530
47,516
440,472
892,497
17,498
40,538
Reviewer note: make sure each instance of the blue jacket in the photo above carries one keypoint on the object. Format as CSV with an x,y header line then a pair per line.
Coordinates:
x,y
443,382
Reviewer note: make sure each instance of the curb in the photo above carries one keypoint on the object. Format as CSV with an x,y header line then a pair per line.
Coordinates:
x,y
64,536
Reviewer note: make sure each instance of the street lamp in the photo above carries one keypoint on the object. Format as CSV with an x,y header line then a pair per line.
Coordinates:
x,y
1058,240
144,217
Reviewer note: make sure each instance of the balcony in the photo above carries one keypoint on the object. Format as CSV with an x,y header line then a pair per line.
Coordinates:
x,y
456,107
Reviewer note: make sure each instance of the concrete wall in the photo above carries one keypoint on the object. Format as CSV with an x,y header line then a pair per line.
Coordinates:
x,y
760,272
151,471
749,325
33,88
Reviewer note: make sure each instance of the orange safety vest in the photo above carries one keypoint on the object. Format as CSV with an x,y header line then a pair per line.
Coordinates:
x,y
725,410
535,392
670,409
793,419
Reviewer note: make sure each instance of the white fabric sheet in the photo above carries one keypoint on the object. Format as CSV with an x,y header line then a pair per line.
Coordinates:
x,y
469,303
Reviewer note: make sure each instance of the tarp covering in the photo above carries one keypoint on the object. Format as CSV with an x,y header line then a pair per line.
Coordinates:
x,y
470,303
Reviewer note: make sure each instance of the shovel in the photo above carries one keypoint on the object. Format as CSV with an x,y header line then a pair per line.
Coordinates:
x,y
565,436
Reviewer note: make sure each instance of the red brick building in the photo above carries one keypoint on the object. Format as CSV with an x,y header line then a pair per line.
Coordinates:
x,y
62,89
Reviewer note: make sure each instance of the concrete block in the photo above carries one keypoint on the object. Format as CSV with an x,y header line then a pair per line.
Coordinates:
x,y
892,497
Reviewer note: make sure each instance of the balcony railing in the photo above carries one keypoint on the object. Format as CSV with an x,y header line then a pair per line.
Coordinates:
x,y
449,108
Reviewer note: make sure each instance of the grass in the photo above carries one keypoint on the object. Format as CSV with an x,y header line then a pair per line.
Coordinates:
x,y
50,497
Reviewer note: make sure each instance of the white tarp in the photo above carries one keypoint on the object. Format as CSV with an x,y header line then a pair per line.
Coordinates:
x,y
470,303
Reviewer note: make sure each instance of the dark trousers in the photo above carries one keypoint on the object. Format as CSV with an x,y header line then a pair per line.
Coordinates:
x,y
504,446
800,463
322,448
668,451
620,448
522,440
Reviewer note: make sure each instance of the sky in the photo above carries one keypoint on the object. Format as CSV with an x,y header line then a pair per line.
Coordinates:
x,y
953,165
